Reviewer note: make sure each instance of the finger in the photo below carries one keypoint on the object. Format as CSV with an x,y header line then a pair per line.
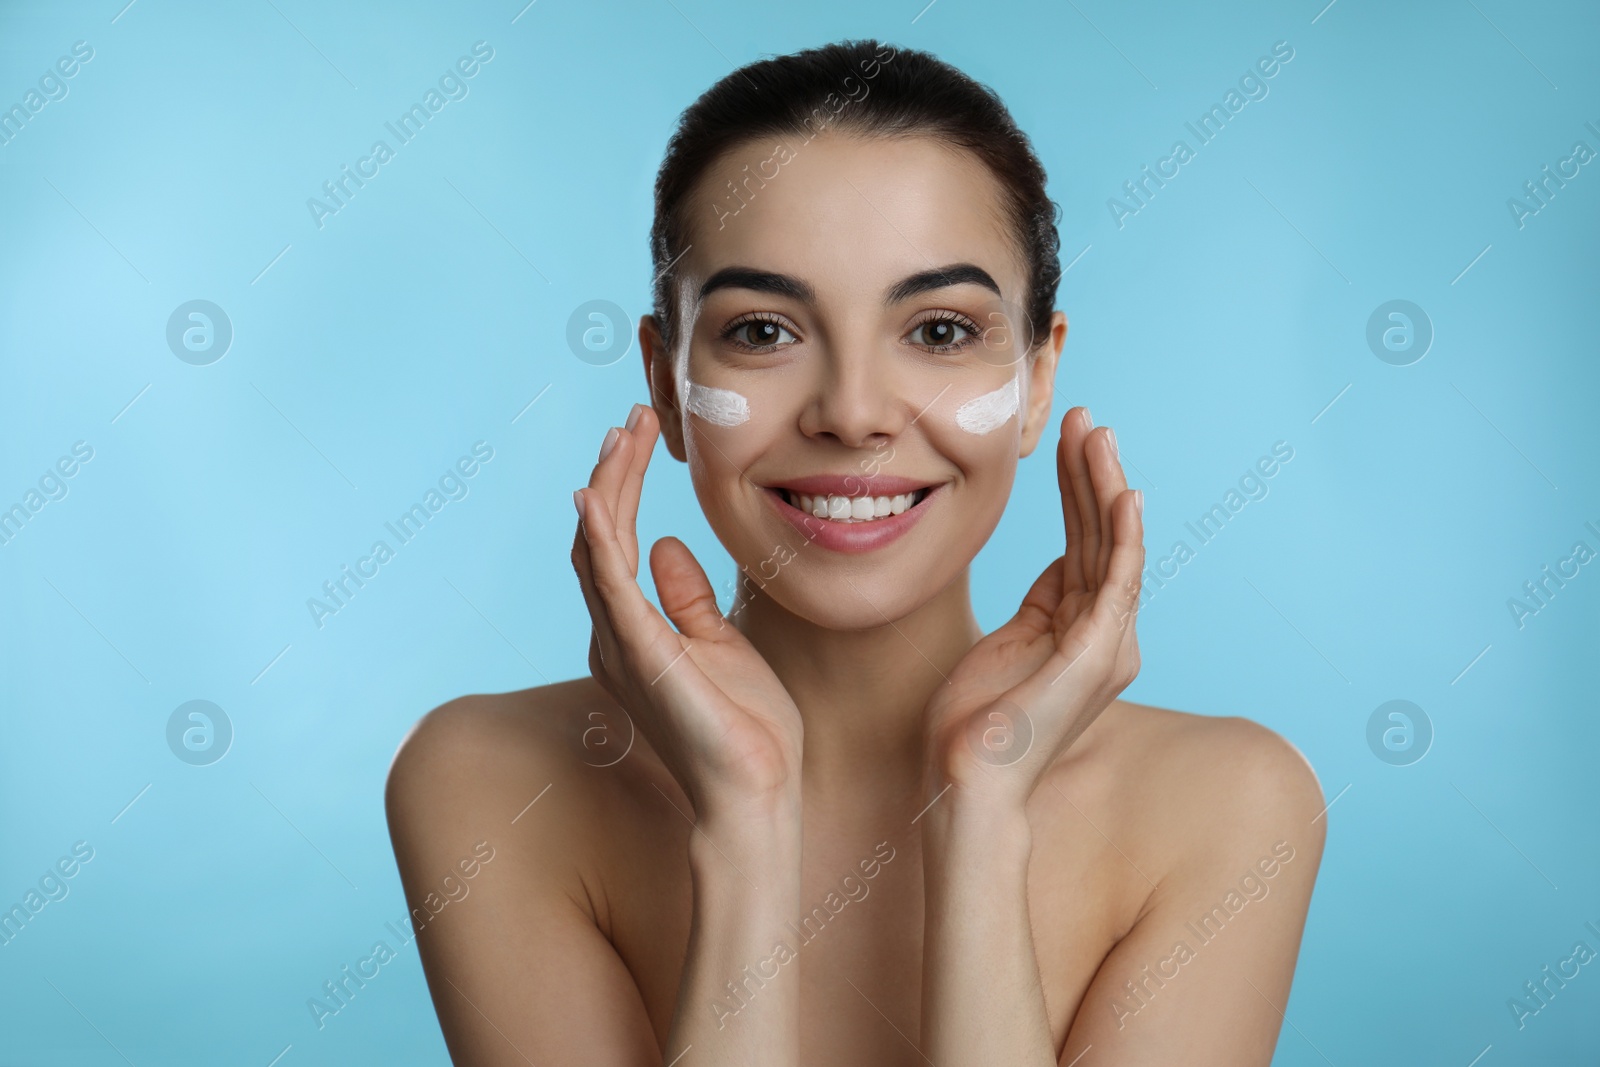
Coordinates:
x,y
643,655
1075,430
637,645
685,591
646,428
1109,482
596,657
1039,605
1071,562
642,634
1073,671
603,633
1096,652
1117,603
617,451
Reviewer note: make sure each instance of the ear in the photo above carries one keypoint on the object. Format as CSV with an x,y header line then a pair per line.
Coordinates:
x,y
1041,372
663,389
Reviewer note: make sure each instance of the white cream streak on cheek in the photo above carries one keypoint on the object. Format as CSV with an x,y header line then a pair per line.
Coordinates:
x,y
983,414
721,407
724,407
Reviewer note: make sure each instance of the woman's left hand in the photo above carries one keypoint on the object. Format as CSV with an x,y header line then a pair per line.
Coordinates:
x,y
1024,693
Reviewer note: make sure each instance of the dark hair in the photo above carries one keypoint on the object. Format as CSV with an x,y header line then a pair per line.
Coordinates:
x,y
909,92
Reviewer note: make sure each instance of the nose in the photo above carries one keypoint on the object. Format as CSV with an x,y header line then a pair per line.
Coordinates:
x,y
856,401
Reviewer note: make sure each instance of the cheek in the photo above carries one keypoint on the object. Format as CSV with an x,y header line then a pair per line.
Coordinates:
x,y
733,420
720,407
987,412
978,430
987,466
726,430
718,457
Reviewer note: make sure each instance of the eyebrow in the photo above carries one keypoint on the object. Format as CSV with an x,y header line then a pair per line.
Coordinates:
x,y
766,281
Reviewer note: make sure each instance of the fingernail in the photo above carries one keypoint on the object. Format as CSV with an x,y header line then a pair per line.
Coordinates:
x,y
1113,435
1088,419
610,442
1138,500
633,416
577,501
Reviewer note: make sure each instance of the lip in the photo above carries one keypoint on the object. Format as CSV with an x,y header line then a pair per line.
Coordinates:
x,y
852,485
853,537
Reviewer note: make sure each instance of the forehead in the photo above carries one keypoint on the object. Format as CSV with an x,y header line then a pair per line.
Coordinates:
x,y
849,213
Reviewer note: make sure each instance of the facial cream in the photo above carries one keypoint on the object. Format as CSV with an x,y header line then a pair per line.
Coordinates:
x,y
723,407
983,414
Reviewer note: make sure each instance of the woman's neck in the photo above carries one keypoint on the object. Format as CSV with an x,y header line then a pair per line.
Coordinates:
x,y
861,693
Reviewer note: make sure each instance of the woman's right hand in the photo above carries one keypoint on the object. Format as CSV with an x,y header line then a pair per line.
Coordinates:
x,y
704,697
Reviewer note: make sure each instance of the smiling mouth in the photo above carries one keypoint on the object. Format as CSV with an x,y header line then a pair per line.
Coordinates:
x,y
850,509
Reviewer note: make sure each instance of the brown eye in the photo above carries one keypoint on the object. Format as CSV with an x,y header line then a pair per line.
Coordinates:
x,y
759,333
941,333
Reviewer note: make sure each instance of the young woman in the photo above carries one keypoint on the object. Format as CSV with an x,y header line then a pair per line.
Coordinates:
x,y
841,825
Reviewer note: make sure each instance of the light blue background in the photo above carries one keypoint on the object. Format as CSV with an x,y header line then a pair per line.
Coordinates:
x,y
1223,317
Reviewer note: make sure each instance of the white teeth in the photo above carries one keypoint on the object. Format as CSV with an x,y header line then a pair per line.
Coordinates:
x,y
852,509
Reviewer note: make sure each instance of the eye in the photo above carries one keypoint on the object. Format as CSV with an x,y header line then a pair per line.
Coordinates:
x,y
758,333
944,331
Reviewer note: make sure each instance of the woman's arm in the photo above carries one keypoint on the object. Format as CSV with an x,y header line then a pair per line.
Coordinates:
x,y
737,1002
519,968
728,731
982,1001
1017,700
1204,975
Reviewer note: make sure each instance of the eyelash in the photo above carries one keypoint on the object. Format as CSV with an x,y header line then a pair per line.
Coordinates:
x,y
974,331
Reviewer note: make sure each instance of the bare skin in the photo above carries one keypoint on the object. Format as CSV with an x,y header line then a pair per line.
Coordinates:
x,y
825,751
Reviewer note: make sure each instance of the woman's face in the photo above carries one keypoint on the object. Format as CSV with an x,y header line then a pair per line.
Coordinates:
x,y
850,345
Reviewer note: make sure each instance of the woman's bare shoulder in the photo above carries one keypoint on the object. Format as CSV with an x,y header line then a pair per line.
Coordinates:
x,y
488,757
513,778
468,731
1226,746
1203,782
